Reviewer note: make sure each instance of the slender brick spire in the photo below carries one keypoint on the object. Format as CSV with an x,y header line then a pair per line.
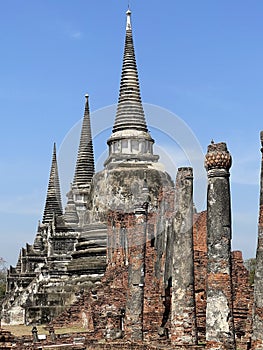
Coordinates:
x,y
53,201
130,114
84,170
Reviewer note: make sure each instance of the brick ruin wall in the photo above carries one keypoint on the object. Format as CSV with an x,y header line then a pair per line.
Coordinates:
x,y
101,312
200,262
242,289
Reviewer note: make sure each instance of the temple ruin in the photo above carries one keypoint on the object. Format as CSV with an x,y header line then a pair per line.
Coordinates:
x,y
129,259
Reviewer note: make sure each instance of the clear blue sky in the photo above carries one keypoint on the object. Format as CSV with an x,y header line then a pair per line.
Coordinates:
x,y
201,60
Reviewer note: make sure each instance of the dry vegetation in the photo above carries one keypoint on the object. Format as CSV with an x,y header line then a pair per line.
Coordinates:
x,y
26,330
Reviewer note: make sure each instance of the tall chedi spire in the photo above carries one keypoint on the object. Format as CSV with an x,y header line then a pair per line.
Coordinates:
x,y
130,114
53,200
84,170
257,336
130,139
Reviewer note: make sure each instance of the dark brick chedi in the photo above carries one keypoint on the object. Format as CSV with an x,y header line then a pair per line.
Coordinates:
x,y
257,338
183,315
219,308
40,286
89,257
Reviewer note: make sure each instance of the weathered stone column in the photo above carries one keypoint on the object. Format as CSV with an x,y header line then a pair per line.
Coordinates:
x,y
219,310
257,337
136,271
183,316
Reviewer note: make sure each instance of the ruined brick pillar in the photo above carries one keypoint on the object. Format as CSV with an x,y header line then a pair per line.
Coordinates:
x,y
219,309
257,336
136,271
117,250
183,315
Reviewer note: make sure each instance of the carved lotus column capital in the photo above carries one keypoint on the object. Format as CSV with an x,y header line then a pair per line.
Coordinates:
x,y
218,160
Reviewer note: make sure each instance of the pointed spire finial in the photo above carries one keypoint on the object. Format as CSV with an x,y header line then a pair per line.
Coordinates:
x,y
85,168
53,203
128,23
